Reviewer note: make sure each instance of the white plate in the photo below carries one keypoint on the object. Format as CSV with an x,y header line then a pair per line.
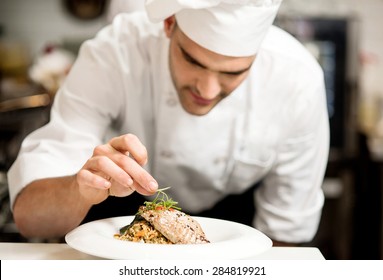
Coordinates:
x,y
229,240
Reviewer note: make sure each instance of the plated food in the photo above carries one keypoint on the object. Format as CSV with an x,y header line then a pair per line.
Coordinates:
x,y
161,221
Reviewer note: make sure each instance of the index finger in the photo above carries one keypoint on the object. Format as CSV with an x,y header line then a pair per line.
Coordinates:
x,y
130,144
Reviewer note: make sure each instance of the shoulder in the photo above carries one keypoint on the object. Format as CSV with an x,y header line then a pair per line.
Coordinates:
x,y
129,33
281,50
288,76
135,24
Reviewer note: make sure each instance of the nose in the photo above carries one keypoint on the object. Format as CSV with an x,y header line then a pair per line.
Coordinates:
x,y
208,85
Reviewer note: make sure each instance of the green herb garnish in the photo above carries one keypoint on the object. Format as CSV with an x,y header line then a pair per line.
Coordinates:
x,y
161,201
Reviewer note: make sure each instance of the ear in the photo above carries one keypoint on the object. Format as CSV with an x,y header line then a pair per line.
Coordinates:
x,y
169,25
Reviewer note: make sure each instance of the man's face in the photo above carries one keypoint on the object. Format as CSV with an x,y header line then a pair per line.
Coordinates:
x,y
202,78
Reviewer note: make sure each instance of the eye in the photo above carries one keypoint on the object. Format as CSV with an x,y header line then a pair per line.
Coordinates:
x,y
192,61
235,74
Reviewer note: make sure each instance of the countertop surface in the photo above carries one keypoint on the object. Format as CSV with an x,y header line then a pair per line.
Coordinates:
x,y
62,251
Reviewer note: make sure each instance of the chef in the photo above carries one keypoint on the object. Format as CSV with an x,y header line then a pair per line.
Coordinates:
x,y
204,96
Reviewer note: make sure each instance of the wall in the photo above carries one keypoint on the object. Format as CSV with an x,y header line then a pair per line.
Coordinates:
x,y
36,23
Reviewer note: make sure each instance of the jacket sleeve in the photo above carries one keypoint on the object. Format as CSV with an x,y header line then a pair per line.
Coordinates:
x,y
290,200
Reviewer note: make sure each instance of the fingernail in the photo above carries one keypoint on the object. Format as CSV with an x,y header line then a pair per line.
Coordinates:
x,y
107,184
153,186
130,182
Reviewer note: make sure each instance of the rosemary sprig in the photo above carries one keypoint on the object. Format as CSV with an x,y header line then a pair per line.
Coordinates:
x,y
161,201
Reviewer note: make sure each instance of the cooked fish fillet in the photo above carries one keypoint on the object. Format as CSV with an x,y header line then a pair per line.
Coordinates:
x,y
176,226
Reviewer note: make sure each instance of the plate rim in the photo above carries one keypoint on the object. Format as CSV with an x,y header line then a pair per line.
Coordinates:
x,y
198,251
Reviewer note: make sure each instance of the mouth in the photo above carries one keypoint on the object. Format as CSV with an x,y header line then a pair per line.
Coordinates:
x,y
200,100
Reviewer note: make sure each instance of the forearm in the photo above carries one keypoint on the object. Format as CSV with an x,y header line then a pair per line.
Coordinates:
x,y
50,207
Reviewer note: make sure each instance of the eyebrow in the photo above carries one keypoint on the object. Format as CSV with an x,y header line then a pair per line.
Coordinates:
x,y
191,59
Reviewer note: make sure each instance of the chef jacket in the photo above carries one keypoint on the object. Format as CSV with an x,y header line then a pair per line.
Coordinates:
x,y
273,127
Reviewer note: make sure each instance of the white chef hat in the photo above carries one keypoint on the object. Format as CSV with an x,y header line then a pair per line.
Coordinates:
x,y
228,27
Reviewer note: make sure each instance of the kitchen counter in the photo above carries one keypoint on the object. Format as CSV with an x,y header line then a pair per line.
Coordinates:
x,y
62,251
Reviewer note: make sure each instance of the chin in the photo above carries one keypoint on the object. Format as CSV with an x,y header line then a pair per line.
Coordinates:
x,y
197,111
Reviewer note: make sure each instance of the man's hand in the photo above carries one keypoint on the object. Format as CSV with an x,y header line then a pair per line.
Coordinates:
x,y
116,169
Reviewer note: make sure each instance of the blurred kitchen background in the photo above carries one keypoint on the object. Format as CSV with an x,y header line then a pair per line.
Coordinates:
x,y
39,40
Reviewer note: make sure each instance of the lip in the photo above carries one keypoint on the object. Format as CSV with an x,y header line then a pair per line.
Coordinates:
x,y
200,100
